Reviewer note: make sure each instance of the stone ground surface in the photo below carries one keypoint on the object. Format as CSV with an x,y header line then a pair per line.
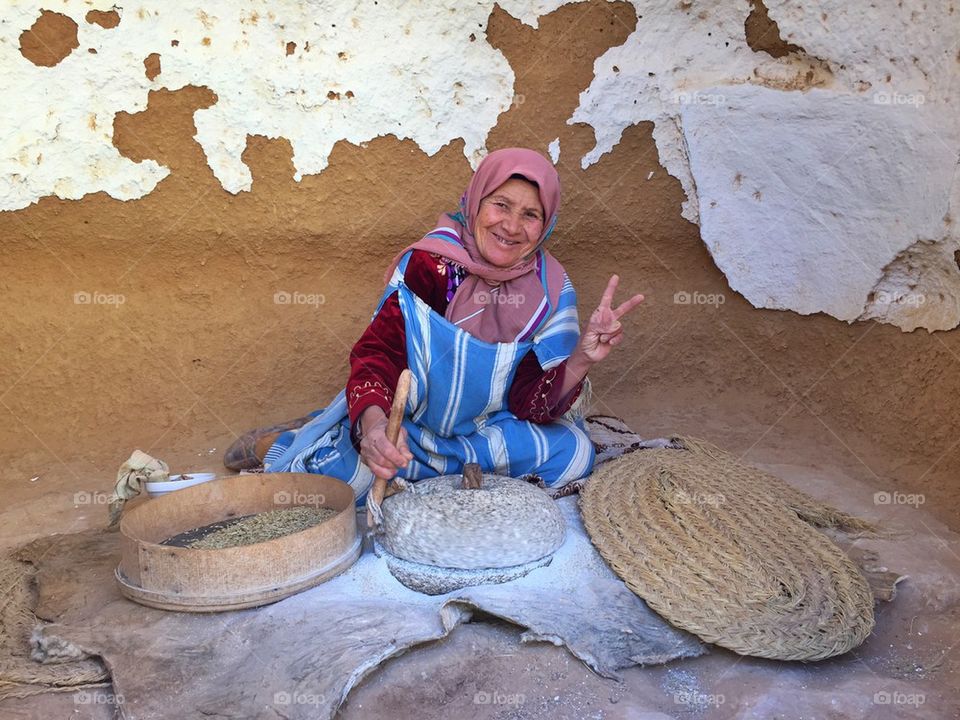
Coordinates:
x,y
907,669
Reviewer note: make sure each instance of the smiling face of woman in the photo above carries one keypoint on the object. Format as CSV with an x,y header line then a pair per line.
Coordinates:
x,y
509,223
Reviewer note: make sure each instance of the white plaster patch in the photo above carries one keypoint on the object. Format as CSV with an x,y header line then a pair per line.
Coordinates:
x,y
661,67
411,73
665,64
807,197
554,150
914,43
892,68
408,68
56,124
360,70
921,287
529,12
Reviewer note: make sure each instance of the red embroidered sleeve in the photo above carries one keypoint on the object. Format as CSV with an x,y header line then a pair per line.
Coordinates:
x,y
376,361
535,392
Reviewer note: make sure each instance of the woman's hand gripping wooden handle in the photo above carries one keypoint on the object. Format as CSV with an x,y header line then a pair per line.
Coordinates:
x,y
379,490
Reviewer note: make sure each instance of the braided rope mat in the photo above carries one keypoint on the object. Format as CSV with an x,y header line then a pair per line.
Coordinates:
x,y
729,552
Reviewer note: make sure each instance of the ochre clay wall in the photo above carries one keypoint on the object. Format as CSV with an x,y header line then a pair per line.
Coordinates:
x,y
154,322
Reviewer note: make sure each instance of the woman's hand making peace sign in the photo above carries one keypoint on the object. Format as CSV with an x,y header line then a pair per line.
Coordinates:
x,y
604,330
602,333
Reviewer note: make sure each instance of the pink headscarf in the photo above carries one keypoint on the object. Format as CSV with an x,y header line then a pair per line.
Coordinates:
x,y
518,307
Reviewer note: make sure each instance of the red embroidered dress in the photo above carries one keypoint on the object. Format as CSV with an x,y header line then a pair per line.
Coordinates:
x,y
380,355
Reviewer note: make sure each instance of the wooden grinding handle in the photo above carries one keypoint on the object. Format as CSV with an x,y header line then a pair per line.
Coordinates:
x,y
399,406
394,422
472,477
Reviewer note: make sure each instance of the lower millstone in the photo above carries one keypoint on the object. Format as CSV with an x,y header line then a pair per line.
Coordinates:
x,y
434,580
506,523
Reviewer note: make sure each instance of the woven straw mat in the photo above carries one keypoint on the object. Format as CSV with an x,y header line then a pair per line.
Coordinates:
x,y
728,552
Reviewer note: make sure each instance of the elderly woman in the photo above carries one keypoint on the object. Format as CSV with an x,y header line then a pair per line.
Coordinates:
x,y
486,320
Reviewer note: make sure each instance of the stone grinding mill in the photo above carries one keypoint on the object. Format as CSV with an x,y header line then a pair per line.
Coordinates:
x,y
445,533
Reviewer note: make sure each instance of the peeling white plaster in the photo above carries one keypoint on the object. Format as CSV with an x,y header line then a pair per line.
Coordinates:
x,y
664,65
921,287
914,42
887,72
405,80
411,68
554,150
56,124
529,12
804,203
